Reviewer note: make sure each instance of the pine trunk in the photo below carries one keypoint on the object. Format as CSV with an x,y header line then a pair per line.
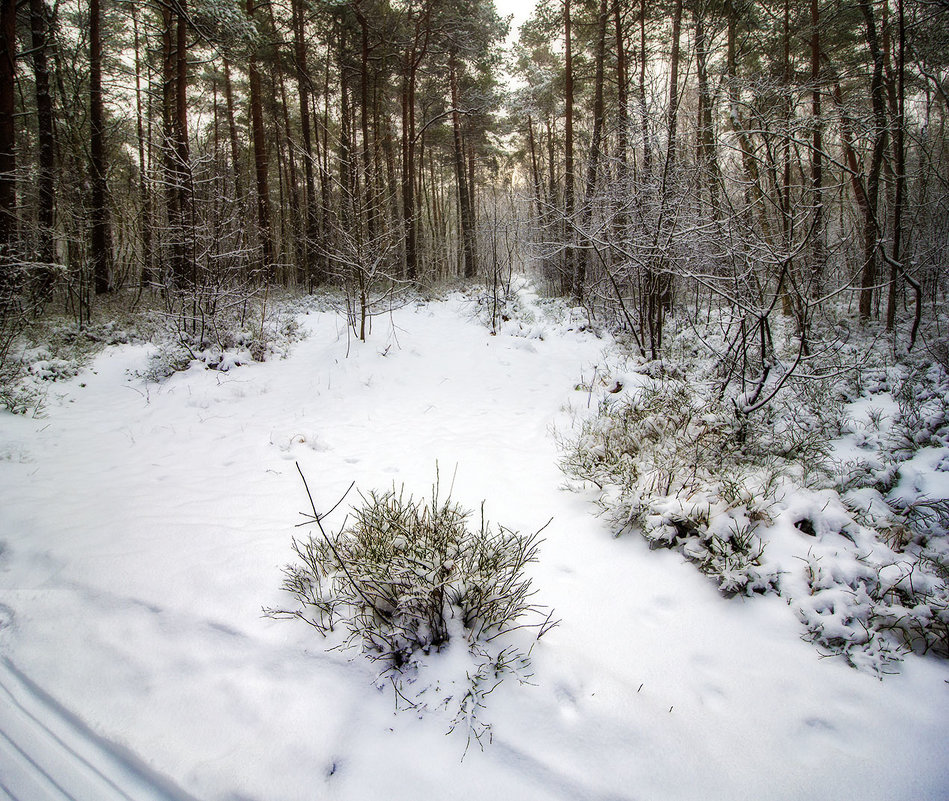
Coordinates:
x,y
101,235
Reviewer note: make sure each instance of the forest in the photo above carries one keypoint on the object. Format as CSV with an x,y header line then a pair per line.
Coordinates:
x,y
646,157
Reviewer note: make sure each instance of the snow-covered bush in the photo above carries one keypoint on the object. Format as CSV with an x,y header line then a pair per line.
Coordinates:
x,y
905,592
49,347
751,494
874,607
509,307
516,309
252,331
407,578
167,359
17,396
677,463
922,396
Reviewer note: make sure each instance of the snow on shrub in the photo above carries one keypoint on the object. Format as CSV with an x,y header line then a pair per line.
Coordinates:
x,y
514,308
408,578
890,491
859,549
679,466
229,339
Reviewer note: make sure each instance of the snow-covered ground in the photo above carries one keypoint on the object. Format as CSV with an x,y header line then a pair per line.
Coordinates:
x,y
143,528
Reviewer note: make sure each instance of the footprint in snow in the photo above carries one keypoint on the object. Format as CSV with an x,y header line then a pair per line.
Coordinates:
x,y
820,725
567,700
712,696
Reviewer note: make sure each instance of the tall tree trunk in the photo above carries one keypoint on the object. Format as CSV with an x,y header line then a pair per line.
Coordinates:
x,y
7,140
662,281
326,177
177,156
705,147
46,251
472,186
673,113
408,166
365,112
621,220
414,54
622,91
172,177
261,161
303,81
297,214
535,170
148,272
101,235
643,110
388,153
593,161
187,265
871,225
182,148
464,197
784,189
817,147
232,131
896,255
347,172
568,192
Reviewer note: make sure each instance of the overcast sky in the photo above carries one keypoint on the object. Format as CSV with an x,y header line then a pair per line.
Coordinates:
x,y
521,9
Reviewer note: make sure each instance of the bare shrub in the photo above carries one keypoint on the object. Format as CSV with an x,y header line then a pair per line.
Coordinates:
x,y
407,577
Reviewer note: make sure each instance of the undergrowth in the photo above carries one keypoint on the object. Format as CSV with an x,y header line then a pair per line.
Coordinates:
x,y
675,462
52,346
861,552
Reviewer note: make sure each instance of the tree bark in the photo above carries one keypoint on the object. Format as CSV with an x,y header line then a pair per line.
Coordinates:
x,y
461,176
622,91
172,178
673,114
261,161
408,166
568,192
148,271
900,166
46,250
414,54
303,80
101,234
232,132
643,111
871,225
593,161
365,112
817,148
705,150
7,139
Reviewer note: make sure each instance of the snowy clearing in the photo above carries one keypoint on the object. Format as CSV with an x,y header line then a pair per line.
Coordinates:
x,y
144,526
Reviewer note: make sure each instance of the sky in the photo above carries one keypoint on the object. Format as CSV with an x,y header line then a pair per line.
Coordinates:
x,y
521,10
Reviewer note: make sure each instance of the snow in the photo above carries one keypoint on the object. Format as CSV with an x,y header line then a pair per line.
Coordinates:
x,y
143,528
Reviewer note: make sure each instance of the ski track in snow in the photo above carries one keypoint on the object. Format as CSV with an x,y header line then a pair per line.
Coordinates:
x,y
143,528
46,752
